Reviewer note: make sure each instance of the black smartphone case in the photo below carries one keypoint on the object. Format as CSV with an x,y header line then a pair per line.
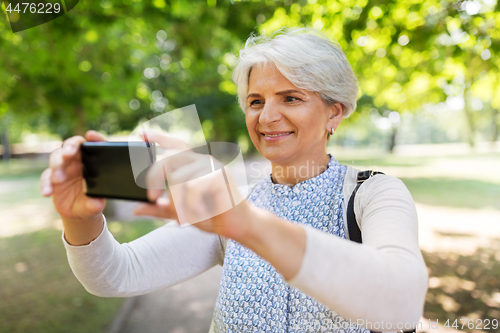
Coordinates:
x,y
107,169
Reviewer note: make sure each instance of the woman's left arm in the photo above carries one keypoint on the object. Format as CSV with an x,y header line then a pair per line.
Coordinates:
x,y
382,280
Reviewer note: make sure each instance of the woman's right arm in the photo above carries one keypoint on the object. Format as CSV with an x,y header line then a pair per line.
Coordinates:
x,y
164,257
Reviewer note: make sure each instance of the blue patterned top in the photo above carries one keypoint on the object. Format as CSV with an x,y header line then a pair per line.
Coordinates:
x,y
253,296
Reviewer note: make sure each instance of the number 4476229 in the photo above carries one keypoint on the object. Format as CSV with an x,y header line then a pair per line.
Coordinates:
x,y
478,324
33,7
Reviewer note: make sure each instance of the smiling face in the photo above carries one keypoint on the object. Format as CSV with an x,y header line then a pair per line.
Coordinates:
x,y
287,125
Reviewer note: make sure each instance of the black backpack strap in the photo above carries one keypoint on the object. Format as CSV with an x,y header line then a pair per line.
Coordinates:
x,y
352,224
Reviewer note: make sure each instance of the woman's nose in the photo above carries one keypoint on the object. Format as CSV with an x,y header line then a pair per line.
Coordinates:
x,y
270,113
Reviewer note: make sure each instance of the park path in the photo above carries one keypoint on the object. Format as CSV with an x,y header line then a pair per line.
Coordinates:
x,y
26,214
183,308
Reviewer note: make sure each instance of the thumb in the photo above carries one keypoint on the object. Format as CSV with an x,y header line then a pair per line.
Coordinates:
x,y
95,205
162,209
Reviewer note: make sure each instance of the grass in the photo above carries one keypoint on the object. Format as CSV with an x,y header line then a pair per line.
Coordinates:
x,y
22,179
21,168
385,160
454,192
464,287
39,292
468,181
21,189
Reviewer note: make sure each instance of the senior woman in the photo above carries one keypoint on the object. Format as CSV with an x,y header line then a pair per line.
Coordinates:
x,y
287,265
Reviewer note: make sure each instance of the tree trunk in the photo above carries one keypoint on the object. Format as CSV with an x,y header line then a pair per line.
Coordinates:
x,y
81,121
392,138
6,153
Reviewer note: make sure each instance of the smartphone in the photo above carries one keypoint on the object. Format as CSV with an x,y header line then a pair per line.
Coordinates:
x,y
107,169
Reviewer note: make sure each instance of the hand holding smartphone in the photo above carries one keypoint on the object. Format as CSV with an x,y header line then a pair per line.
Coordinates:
x,y
107,169
63,181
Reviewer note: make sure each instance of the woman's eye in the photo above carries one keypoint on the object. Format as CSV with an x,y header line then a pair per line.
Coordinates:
x,y
255,102
292,99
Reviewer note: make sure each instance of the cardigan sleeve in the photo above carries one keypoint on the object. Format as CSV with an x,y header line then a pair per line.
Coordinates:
x,y
383,280
162,258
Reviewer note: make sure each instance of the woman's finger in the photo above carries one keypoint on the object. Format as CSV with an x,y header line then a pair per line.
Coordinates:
x,y
61,157
94,205
165,141
71,148
190,198
161,171
56,163
163,208
55,159
45,184
153,194
156,180
92,135
177,159
149,210
72,144
187,173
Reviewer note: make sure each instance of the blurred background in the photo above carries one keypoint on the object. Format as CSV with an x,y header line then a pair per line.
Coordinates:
x,y
428,113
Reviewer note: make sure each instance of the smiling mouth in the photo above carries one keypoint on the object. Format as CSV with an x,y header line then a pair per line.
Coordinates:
x,y
276,135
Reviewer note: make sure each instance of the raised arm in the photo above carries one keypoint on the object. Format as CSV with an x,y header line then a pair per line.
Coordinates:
x,y
382,280
162,258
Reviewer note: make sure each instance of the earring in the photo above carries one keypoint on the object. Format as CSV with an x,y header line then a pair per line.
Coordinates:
x,y
332,131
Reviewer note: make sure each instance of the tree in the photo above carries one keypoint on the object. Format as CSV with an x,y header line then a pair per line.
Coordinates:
x,y
106,65
407,53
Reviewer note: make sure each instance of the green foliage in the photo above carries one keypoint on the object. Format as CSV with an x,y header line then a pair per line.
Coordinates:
x,y
406,54
106,65
83,70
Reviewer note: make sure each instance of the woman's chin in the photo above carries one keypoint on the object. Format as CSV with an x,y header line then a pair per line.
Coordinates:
x,y
276,155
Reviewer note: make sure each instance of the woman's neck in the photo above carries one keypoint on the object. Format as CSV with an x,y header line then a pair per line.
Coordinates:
x,y
290,174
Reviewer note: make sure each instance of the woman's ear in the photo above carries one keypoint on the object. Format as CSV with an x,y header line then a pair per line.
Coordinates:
x,y
336,112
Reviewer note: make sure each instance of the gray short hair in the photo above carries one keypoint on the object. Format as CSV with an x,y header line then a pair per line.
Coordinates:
x,y
307,58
